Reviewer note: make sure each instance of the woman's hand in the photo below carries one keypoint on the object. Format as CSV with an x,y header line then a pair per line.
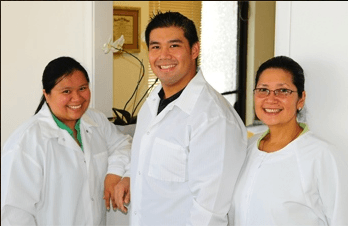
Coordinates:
x,y
110,182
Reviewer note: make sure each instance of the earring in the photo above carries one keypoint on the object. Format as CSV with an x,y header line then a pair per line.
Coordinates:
x,y
299,109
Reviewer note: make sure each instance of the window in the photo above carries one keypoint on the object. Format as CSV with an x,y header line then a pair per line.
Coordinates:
x,y
219,46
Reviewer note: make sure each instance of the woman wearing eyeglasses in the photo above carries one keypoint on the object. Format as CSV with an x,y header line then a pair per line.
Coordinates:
x,y
290,176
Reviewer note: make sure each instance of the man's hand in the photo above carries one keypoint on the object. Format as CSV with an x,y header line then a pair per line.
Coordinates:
x,y
122,194
110,183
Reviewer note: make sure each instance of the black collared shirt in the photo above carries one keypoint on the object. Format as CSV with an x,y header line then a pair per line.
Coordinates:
x,y
164,102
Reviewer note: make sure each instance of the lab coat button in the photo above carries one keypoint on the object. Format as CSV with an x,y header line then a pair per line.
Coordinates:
x,y
86,131
92,199
135,212
148,132
139,173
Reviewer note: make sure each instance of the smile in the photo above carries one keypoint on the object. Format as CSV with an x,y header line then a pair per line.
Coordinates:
x,y
269,110
75,107
166,66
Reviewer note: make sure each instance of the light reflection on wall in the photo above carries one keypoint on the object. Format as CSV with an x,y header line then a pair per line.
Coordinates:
x,y
219,45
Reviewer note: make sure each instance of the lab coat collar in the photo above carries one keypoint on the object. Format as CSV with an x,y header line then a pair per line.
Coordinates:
x,y
188,97
51,129
191,93
153,100
88,121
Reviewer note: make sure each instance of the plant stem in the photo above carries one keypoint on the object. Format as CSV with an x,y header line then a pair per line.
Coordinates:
x,y
141,77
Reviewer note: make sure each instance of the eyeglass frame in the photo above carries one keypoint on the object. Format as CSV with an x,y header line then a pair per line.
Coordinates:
x,y
276,91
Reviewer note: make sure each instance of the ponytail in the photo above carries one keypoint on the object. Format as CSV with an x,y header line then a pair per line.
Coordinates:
x,y
43,100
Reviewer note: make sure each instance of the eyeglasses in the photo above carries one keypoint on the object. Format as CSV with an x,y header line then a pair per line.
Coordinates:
x,y
282,93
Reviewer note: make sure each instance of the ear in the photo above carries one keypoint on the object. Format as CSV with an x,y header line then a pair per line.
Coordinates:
x,y
301,101
195,50
45,94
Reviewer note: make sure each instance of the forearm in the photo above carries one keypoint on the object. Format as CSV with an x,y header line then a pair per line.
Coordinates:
x,y
212,197
119,155
214,170
11,215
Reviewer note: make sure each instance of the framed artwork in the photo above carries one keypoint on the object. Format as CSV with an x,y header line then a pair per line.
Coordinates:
x,y
127,23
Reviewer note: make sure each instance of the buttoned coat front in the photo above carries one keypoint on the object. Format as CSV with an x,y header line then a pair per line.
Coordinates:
x,y
186,159
46,179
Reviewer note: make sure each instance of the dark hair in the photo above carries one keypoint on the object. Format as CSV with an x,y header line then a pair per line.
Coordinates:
x,y
55,71
170,19
287,64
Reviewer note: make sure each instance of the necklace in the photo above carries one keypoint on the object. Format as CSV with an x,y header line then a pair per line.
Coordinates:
x,y
296,135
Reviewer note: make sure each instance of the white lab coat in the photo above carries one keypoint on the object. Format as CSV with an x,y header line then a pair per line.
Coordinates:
x,y
304,183
185,160
46,179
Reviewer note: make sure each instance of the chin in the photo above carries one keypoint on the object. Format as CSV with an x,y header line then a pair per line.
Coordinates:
x,y
77,115
269,122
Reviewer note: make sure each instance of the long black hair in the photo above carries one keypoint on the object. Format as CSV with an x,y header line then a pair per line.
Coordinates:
x,y
55,71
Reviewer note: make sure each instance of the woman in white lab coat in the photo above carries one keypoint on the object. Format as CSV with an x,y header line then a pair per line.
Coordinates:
x,y
290,176
54,165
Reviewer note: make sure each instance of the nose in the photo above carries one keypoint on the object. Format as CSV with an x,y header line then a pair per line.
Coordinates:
x,y
76,96
165,54
271,97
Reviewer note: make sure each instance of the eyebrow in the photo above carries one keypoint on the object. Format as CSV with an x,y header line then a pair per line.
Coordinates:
x,y
175,41
279,85
170,41
69,87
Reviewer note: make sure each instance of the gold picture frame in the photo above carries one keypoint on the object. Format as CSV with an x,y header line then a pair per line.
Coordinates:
x,y
126,22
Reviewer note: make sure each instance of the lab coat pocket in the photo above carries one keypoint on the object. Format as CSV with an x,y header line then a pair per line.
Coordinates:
x,y
168,161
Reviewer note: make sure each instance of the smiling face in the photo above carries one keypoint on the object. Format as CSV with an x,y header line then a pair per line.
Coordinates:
x,y
273,110
171,58
69,98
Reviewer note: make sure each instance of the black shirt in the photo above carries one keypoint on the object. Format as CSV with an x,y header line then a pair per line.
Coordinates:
x,y
164,102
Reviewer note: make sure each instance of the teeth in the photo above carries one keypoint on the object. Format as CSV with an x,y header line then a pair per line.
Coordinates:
x,y
272,110
75,107
167,66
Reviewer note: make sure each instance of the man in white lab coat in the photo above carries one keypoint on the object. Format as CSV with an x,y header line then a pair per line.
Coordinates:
x,y
189,143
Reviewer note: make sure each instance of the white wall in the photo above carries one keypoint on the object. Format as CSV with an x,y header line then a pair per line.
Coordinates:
x,y
36,32
315,35
103,63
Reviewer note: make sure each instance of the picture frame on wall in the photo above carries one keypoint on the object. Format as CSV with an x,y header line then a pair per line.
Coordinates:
x,y
126,22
